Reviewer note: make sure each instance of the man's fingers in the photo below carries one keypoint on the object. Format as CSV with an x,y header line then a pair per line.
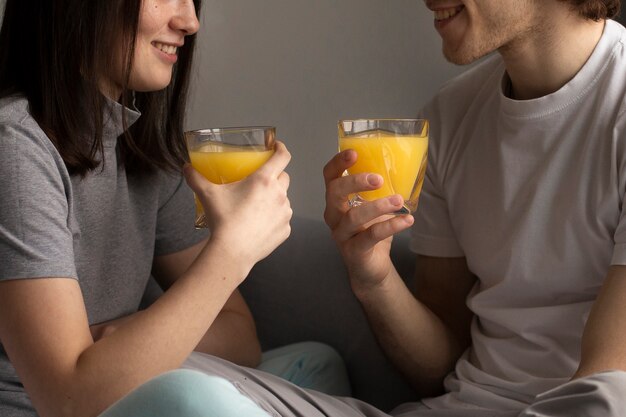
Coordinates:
x,y
339,189
338,164
378,232
364,217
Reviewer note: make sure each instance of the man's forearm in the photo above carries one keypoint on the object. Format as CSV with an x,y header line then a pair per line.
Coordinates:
x,y
412,336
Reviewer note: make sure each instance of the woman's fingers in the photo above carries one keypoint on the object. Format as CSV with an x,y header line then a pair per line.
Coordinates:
x,y
284,180
277,162
195,180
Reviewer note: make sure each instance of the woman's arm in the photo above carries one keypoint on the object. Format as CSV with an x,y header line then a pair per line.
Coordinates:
x,y
43,322
232,335
45,332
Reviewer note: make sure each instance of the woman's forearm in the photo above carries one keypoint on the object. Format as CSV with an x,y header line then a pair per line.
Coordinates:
x,y
158,339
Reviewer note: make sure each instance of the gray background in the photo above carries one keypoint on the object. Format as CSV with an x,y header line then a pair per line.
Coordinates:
x,y
301,65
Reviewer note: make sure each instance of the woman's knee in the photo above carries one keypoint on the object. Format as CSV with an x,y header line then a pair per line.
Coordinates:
x,y
185,393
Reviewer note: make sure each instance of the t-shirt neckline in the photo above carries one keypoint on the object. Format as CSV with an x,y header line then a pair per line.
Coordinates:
x,y
571,92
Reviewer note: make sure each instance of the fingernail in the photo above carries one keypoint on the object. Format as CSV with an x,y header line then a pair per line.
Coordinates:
x,y
346,155
374,179
395,200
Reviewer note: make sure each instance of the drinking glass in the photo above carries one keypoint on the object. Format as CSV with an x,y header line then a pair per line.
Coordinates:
x,y
395,149
225,155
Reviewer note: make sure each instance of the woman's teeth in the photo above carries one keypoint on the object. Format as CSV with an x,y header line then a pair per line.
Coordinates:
x,y
447,13
168,49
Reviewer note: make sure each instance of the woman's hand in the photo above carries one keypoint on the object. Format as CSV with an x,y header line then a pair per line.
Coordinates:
x,y
363,233
248,218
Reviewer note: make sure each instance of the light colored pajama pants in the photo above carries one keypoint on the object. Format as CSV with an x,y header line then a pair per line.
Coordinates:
x,y
217,388
309,365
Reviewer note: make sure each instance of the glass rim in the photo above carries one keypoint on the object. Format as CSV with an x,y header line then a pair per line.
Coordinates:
x,y
230,129
355,128
383,119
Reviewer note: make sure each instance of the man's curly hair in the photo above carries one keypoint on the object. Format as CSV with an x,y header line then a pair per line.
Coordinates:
x,y
596,9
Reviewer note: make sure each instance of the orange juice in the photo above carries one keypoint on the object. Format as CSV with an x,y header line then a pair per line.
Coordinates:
x,y
400,160
221,163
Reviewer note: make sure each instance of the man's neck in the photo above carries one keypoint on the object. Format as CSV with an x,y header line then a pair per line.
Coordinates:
x,y
544,60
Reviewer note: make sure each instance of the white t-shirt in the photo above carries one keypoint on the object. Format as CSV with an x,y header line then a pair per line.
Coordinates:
x,y
530,193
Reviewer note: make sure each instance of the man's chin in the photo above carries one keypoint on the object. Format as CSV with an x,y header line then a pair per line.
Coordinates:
x,y
459,57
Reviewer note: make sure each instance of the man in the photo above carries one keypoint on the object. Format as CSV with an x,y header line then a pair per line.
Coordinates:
x,y
520,229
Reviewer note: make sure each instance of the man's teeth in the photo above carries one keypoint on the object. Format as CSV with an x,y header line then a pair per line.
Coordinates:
x,y
447,13
168,49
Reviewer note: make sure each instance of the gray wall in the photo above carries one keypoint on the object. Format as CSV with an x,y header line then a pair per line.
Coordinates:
x,y
303,64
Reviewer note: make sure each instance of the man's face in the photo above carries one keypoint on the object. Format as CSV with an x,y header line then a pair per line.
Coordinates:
x,y
471,29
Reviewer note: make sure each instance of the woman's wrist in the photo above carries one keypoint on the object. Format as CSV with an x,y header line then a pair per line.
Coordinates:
x,y
226,251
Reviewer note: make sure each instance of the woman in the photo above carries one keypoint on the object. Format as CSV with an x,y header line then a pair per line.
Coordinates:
x,y
92,202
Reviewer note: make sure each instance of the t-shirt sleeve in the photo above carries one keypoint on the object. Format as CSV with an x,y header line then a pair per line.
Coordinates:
x,y
432,233
176,216
35,235
619,250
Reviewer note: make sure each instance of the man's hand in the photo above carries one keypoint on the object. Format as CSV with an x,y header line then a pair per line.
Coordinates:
x,y
363,233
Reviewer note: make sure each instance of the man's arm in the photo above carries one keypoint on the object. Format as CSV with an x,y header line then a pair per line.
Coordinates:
x,y
232,335
604,338
424,336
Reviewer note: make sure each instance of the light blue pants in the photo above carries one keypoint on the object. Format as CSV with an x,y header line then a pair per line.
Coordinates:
x,y
236,392
190,392
185,393
309,365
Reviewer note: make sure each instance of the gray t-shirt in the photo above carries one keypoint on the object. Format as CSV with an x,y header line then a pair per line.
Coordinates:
x,y
531,193
103,229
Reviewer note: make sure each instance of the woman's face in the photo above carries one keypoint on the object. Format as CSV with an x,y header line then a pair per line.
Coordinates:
x,y
163,26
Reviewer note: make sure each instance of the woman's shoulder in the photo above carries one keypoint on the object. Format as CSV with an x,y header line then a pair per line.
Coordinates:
x,y
19,129
23,144
14,111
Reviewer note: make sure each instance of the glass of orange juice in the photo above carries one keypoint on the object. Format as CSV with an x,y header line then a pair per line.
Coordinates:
x,y
396,149
225,155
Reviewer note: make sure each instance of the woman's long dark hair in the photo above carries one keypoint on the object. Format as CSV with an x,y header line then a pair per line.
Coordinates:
x,y
54,52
